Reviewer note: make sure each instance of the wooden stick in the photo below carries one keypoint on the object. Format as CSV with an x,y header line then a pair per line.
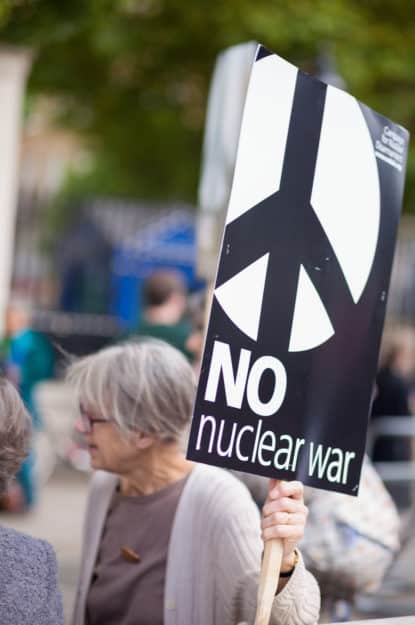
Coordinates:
x,y
268,581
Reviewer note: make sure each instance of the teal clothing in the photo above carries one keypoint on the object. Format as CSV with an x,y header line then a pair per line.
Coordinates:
x,y
174,334
4,351
26,478
31,352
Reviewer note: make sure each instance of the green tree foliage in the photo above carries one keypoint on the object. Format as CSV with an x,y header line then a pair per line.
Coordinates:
x,y
132,75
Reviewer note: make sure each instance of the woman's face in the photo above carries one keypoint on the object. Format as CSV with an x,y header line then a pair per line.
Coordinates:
x,y
109,450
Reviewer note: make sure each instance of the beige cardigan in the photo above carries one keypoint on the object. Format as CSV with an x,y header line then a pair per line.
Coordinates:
x,y
213,559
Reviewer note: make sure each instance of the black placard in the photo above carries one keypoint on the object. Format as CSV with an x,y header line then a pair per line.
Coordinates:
x,y
301,289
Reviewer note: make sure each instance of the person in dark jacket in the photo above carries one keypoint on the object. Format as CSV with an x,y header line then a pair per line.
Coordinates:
x,y
393,393
29,592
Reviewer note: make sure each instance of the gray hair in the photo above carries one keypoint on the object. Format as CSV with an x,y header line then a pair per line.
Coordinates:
x,y
15,433
146,386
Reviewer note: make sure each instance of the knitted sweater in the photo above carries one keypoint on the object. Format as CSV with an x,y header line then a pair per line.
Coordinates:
x,y
213,558
29,592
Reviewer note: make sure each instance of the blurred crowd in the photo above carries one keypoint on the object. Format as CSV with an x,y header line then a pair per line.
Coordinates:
x,y
169,542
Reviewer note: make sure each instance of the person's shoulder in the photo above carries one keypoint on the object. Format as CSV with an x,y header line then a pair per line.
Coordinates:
x,y
20,550
390,381
217,504
28,580
214,476
217,487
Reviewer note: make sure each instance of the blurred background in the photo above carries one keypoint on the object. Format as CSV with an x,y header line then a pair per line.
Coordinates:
x,y
118,134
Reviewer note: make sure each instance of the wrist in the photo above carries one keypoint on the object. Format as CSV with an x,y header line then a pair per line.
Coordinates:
x,y
289,563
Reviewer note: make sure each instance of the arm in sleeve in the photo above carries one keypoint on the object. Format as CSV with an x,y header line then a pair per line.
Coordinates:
x,y
239,560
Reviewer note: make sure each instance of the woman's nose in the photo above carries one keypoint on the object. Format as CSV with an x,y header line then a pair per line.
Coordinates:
x,y
80,426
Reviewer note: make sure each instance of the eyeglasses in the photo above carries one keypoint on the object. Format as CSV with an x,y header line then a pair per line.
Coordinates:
x,y
88,420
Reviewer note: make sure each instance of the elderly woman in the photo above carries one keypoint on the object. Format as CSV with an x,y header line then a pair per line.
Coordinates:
x,y
28,574
166,541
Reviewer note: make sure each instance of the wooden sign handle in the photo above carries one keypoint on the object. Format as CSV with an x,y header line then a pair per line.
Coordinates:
x,y
268,581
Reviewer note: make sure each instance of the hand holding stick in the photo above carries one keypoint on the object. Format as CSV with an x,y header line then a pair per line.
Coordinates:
x,y
283,521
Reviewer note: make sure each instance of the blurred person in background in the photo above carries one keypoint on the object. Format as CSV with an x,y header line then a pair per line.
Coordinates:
x,y
395,398
350,542
28,360
393,392
198,320
166,541
29,592
165,303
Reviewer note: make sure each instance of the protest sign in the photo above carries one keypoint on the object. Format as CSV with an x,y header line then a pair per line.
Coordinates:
x,y
300,296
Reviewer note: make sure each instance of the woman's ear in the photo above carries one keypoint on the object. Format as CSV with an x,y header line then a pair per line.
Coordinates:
x,y
143,441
